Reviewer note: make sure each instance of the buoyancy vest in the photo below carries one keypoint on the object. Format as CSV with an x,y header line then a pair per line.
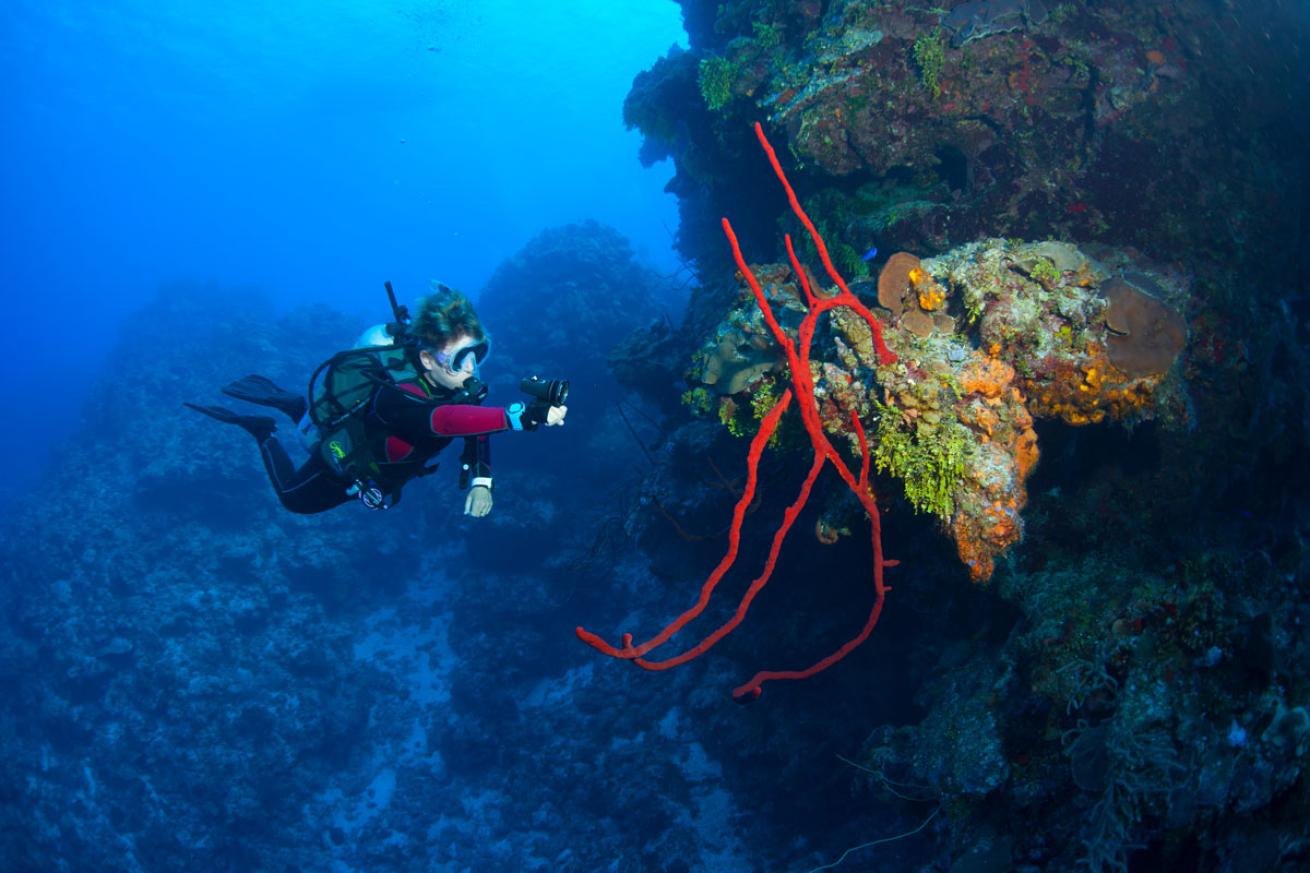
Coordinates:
x,y
340,392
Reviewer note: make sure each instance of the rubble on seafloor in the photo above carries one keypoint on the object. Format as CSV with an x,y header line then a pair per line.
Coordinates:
x,y
988,336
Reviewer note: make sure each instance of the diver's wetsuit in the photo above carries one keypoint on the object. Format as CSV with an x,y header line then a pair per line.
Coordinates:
x,y
407,425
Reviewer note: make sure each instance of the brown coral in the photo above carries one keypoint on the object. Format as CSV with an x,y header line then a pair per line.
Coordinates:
x,y
736,362
917,322
894,281
1146,334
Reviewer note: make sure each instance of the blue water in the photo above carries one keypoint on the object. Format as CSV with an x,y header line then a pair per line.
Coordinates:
x,y
311,148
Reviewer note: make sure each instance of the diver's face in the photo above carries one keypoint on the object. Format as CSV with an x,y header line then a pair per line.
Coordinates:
x,y
442,367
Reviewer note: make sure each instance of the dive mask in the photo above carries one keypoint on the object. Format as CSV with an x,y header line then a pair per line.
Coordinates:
x,y
466,358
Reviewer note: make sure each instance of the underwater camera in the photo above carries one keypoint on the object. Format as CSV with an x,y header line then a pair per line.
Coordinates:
x,y
550,391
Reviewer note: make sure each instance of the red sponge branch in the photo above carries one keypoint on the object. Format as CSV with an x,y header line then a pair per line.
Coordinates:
x,y
629,651
802,388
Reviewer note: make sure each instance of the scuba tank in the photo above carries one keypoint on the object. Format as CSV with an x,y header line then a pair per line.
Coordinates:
x,y
376,337
339,393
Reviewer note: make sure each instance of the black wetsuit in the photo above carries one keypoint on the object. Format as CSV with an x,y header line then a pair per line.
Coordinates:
x,y
407,425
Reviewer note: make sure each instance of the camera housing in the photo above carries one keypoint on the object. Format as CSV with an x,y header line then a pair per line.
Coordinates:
x,y
550,391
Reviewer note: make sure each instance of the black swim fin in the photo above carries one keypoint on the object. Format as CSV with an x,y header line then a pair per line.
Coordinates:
x,y
261,427
265,392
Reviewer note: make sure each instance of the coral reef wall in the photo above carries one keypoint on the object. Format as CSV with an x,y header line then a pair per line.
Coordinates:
x,y
1130,689
917,129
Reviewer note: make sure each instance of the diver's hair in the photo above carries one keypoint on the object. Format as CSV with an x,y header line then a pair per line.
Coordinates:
x,y
444,315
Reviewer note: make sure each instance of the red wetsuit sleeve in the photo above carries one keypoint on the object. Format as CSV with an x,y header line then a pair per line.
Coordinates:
x,y
467,421
427,423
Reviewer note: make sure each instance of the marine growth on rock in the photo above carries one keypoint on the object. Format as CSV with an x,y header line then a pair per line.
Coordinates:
x,y
987,337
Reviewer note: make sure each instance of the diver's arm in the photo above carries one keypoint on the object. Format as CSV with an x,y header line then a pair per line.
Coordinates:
x,y
459,420
409,412
456,420
475,462
475,471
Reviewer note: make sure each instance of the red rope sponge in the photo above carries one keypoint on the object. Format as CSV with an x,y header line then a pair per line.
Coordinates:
x,y
802,389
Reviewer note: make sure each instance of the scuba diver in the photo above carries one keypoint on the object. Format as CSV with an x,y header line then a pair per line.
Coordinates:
x,y
376,414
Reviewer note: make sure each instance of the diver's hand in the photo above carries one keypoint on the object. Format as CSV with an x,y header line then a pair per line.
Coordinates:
x,y
478,502
539,413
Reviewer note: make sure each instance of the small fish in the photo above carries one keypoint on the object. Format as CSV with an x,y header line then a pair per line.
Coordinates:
x,y
870,254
